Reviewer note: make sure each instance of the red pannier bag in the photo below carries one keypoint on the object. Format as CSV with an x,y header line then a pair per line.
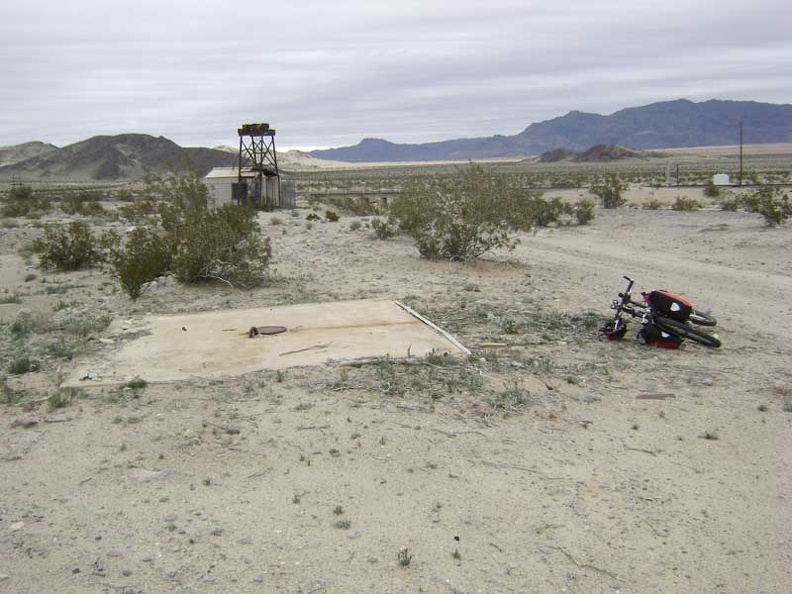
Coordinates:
x,y
669,305
652,335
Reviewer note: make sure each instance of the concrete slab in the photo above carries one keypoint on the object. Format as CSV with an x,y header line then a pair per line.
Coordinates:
x,y
168,348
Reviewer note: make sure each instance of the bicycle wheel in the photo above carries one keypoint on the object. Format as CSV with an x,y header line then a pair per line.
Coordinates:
x,y
685,331
702,319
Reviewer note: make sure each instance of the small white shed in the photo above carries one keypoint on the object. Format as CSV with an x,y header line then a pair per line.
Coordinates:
x,y
219,181
222,183
721,179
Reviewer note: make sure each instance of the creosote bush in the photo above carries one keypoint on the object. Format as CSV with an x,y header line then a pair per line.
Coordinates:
x,y
204,243
384,228
23,202
731,202
685,204
609,189
69,247
463,216
711,190
583,211
144,257
770,202
222,244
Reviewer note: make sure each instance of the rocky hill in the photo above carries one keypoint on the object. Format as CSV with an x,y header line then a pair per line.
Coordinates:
x,y
600,153
10,155
669,124
121,157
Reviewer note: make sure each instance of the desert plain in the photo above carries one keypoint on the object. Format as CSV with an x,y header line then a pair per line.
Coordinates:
x,y
547,461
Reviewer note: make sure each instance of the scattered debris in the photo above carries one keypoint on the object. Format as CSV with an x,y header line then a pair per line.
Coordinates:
x,y
658,396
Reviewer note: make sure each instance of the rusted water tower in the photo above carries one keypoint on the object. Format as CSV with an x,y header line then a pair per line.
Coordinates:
x,y
258,181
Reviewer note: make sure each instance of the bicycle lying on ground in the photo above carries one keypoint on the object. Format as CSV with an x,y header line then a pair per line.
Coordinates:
x,y
666,319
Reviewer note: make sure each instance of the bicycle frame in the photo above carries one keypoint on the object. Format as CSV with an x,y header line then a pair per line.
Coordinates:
x,y
617,327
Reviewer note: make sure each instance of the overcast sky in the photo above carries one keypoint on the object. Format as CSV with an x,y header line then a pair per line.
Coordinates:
x,y
330,73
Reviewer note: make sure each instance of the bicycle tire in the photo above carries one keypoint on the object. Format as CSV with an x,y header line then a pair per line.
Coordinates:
x,y
702,319
686,331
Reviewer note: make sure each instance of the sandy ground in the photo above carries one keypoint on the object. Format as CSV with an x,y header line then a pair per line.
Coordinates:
x,y
555,463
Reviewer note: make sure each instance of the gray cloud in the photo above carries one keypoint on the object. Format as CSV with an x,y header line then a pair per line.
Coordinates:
x,y
330,74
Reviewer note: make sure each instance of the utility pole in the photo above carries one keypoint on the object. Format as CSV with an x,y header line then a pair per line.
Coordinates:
x,y
741,153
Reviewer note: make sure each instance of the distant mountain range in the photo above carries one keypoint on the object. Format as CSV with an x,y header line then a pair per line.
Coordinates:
x,y
669,124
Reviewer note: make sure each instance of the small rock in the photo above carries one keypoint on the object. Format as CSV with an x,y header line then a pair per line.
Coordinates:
x,y
232,430
24,423
16,526
126,572
107,341
76,570
170,518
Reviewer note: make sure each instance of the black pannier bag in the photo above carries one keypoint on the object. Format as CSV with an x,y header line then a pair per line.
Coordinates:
x,y
670,305
652,335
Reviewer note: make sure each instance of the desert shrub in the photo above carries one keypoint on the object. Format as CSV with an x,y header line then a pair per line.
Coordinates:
x,y
355,225
685,204
331,216
609,189
7,297
313,217
547,211
23,364
197,243
21,328
583,211
384,228
358,205
711,190
463,216
23,202
222,244
140,211
770,202
554,211
731,202
144,257
21,192
84,202
653,204
67,247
